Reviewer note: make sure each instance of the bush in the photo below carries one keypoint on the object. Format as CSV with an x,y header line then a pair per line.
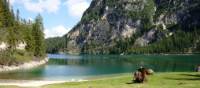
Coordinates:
x,y
16,58
5,57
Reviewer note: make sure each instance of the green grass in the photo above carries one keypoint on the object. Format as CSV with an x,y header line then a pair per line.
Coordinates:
x,y
159,80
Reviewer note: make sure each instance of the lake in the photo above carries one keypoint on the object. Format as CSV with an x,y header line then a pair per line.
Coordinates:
x,y
73,67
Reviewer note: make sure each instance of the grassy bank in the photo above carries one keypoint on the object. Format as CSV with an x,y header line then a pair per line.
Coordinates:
x,y
159,80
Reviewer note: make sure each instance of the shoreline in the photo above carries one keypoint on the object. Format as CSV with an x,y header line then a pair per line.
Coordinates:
x,y
27,65
29,83
197,53
34,83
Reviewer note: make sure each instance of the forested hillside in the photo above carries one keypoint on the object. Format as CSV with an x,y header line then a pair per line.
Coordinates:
x,y
20,40
56,44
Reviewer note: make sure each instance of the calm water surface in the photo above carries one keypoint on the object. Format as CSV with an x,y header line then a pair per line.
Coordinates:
x,y
69,67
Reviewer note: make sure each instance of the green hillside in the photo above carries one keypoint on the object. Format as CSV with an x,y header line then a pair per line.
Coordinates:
x,y
15,31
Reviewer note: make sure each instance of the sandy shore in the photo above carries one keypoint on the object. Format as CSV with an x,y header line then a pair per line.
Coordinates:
x,y
24,83
32,83
27,65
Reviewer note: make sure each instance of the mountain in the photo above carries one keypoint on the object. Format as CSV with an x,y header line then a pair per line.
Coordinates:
x,y
137,26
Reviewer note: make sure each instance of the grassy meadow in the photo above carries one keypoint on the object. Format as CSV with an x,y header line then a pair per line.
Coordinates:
x,y
158,80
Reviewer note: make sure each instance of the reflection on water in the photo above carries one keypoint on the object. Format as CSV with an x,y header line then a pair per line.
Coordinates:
x,y
66,67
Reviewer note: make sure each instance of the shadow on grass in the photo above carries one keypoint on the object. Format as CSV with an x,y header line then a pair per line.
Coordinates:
x,y
133,82
130,83
191,77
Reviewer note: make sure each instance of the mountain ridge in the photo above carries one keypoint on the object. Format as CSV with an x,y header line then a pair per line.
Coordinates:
x,y
134,26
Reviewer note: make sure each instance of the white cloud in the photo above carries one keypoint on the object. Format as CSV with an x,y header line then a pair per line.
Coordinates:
x,y
57,31
39,6
76,8
11,2
30,19
52,5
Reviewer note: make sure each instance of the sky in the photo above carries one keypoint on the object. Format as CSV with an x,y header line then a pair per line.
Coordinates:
x,y
59,16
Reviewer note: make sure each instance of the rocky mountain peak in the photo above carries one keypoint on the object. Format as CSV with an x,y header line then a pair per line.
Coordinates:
x,y
140,22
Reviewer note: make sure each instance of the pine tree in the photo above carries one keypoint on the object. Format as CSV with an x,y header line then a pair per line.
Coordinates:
x,y
38,37
11,26
17,16
28,37
1,13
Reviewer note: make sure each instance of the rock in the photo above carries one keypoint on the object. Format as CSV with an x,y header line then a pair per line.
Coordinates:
x,y
150,71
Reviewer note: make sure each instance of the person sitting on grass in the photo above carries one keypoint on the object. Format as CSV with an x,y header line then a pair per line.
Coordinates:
x,y
140,75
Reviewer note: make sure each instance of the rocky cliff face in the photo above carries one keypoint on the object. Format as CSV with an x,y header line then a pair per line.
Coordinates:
x,y
141,22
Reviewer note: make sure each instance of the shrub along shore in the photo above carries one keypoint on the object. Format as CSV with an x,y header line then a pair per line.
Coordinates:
x,y
26,65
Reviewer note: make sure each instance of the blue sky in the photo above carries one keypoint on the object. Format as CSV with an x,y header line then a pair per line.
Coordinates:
x,y
59,16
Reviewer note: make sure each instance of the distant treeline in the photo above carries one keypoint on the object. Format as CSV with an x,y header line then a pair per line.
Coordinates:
x,y
56,44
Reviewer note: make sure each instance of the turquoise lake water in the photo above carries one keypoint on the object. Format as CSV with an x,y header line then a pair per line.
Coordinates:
x,y
72,67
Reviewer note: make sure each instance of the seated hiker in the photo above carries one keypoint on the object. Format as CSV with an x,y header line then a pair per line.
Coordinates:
x,y
140,75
